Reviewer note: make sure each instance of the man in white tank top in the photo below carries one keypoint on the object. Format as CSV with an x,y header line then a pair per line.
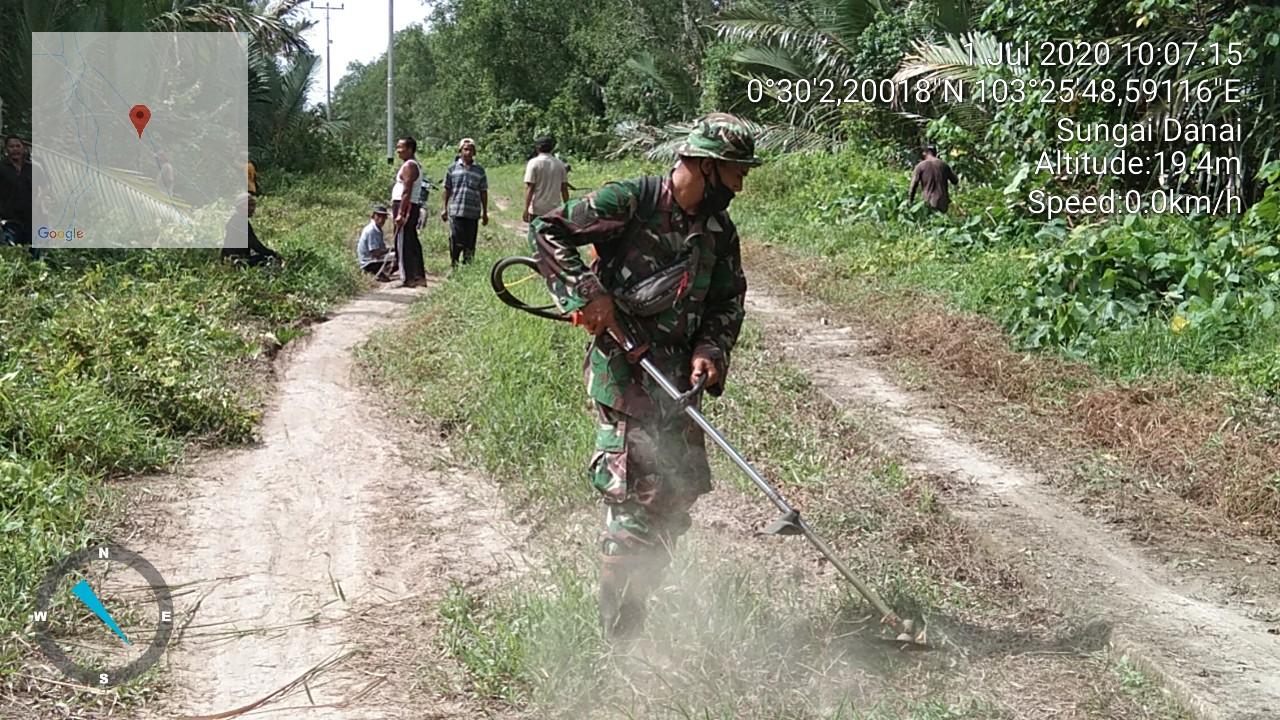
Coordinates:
x,y
406,205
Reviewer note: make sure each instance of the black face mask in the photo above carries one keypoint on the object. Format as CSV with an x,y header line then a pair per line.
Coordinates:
x,y
715,198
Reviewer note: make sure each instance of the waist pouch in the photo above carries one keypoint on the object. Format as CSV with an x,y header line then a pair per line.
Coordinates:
x,y
660,291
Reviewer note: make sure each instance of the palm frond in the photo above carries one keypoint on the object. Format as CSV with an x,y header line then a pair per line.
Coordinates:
x,y
330,128
275,33
756,24
665,71
795,139
772,58
848,17
636,137
98,191
963,57
659,143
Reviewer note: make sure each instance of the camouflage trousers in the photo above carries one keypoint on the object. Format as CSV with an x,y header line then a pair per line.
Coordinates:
x,y
649,473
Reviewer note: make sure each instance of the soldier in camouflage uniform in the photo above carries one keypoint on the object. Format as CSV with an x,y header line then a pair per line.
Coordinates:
x,y
667,257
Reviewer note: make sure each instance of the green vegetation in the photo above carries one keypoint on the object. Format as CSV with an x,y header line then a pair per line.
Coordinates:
x,y
1133,296
112,362
473,73
1172,321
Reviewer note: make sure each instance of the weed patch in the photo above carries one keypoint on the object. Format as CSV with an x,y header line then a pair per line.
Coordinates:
x,y
722,642
114,362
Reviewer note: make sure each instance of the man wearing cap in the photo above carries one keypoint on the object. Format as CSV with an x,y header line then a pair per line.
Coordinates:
x,y
546,183
466,202
371,250
650,466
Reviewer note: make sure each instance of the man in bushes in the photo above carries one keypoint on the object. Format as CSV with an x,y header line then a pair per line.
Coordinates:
x,y
931,177
22,182
668,271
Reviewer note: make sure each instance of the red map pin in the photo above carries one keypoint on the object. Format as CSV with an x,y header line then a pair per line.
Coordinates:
x,y
140,116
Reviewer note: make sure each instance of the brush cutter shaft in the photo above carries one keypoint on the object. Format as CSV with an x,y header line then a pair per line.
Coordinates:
x,y
670,388
646,363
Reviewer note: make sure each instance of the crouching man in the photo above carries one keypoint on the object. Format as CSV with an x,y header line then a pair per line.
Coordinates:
x,y
371,250
241,250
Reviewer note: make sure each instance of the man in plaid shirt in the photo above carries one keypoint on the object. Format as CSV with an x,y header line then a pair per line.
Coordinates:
x,y
466,202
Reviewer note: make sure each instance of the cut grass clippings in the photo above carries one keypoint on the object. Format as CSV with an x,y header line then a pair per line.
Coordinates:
x,y
115,362
743,627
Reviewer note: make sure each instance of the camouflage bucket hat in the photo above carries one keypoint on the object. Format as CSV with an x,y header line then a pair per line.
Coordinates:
x,y
723,137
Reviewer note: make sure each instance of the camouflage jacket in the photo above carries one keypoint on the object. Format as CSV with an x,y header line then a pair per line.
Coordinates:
x,y
708,312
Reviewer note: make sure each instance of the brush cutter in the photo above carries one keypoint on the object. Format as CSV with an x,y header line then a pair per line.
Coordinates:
x,y
790,522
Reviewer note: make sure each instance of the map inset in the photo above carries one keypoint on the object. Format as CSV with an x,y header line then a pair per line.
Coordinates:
x,y
111,175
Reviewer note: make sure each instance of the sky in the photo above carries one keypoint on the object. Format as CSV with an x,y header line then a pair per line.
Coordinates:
x,y
358,32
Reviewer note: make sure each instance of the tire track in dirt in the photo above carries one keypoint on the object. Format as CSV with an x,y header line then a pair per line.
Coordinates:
x,y
1221,663
328,542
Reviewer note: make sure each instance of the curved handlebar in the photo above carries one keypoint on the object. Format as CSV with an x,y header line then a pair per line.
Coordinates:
x,y
550,312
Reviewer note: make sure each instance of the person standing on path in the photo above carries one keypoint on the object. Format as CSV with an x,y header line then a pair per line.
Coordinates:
x,y
406,204
466,203
546,184
931,176
672,232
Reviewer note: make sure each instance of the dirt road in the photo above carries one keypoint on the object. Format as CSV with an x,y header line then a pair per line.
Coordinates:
x,y
313,556
1222,663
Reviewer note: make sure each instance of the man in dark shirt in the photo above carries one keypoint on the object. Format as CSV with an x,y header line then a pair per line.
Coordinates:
x,y
931,176
19,178
255,253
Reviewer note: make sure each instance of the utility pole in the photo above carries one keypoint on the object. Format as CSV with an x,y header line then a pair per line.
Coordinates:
x,y
328,64
391,110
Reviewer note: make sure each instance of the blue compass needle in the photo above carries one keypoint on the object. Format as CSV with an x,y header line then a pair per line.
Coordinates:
x,y
87,596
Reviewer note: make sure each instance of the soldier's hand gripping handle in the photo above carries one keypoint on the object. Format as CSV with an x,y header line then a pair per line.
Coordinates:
x,y
599,316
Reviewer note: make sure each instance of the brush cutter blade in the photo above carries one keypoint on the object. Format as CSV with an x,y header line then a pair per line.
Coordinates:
x,y
787,524
911,639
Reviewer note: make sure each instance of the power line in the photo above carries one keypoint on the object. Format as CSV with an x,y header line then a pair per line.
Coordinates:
x,y
328,64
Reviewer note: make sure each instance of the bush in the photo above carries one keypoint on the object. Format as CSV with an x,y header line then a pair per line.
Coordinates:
x,y
111,361
1212,278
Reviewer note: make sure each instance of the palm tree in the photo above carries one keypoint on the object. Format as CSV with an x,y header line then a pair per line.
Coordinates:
x,y
825,39
277,102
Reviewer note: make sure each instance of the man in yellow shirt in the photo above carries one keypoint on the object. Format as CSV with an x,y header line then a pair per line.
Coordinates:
x,y
252,174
